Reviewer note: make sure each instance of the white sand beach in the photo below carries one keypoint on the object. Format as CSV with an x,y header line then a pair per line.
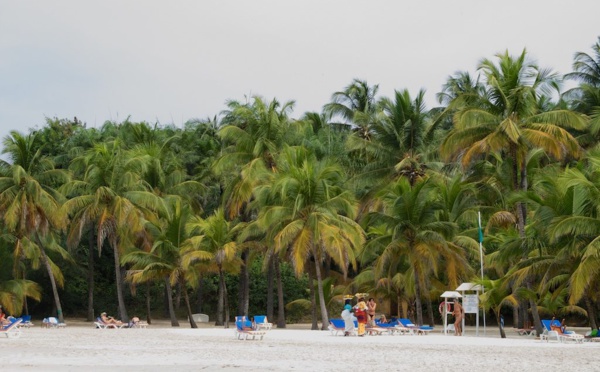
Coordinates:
x,y
80,347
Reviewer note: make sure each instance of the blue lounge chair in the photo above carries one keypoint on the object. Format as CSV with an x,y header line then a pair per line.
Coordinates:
x,y
553,329
25,321
338,325
12,330
413,328
261,322
244,329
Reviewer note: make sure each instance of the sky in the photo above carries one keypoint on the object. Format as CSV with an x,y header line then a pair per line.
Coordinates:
x,y
171,61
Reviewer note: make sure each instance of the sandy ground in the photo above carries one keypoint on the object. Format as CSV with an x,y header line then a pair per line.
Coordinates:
x,y
80,347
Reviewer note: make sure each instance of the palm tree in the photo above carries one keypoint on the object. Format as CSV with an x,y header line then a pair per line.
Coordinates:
x,y
507,120
14,292
172,257
586,97
307,213
254,134
397,143
217,236
112,202
30,206
412,236
356,97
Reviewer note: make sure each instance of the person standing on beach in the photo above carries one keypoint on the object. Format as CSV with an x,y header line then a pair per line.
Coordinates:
x,y
348,320
371,306
459,313
361,316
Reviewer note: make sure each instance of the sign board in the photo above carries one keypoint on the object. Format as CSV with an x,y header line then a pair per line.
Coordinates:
x,y
471,304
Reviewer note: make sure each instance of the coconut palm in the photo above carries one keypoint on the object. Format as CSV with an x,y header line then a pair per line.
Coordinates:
x,y
112,202
308,214
507,120
171,258
254,134
411,235
217,236
14,292
30,205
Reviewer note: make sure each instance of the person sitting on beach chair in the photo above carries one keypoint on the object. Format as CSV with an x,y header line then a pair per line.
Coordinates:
x,y
110,320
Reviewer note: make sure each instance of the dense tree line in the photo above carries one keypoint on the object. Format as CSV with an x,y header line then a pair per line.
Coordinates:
x,y
255,211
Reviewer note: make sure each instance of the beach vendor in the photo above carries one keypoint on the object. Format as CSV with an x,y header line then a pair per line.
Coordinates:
x,y
348,320
360,311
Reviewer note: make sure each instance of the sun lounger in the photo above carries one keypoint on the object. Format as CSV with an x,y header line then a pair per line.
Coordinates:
x,y
12,330
553,329
413,328
100,324
261,322
25,321
52,322
592,336
338,325
525,331
244,329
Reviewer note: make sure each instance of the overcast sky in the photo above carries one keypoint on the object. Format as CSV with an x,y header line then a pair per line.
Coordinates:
x,y
171,61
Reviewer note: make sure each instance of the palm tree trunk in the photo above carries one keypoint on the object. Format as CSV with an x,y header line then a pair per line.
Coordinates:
x,y
418,305
225,302
537,323
46,263
244,284
178,297
90,277
280,303
220,300
313,297
430,312
200,294
186,298
324,315
148,317
270,279
119,284
174,321
591,312
500,328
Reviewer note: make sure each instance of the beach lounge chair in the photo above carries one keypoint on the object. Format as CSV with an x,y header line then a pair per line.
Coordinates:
x,y
377,330
339,326
413,328
52,322
25,321
100,324
261,322
393,327
592,336
244,329
553,329
12,330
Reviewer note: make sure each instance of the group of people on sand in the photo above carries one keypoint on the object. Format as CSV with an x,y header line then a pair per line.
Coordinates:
x,y
363,312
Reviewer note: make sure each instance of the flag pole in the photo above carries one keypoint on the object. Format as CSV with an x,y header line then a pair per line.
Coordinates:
x,y
481,261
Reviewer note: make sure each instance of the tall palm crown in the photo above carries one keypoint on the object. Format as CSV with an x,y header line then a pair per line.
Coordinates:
x,y
507,119
307,213
30,205
254,134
